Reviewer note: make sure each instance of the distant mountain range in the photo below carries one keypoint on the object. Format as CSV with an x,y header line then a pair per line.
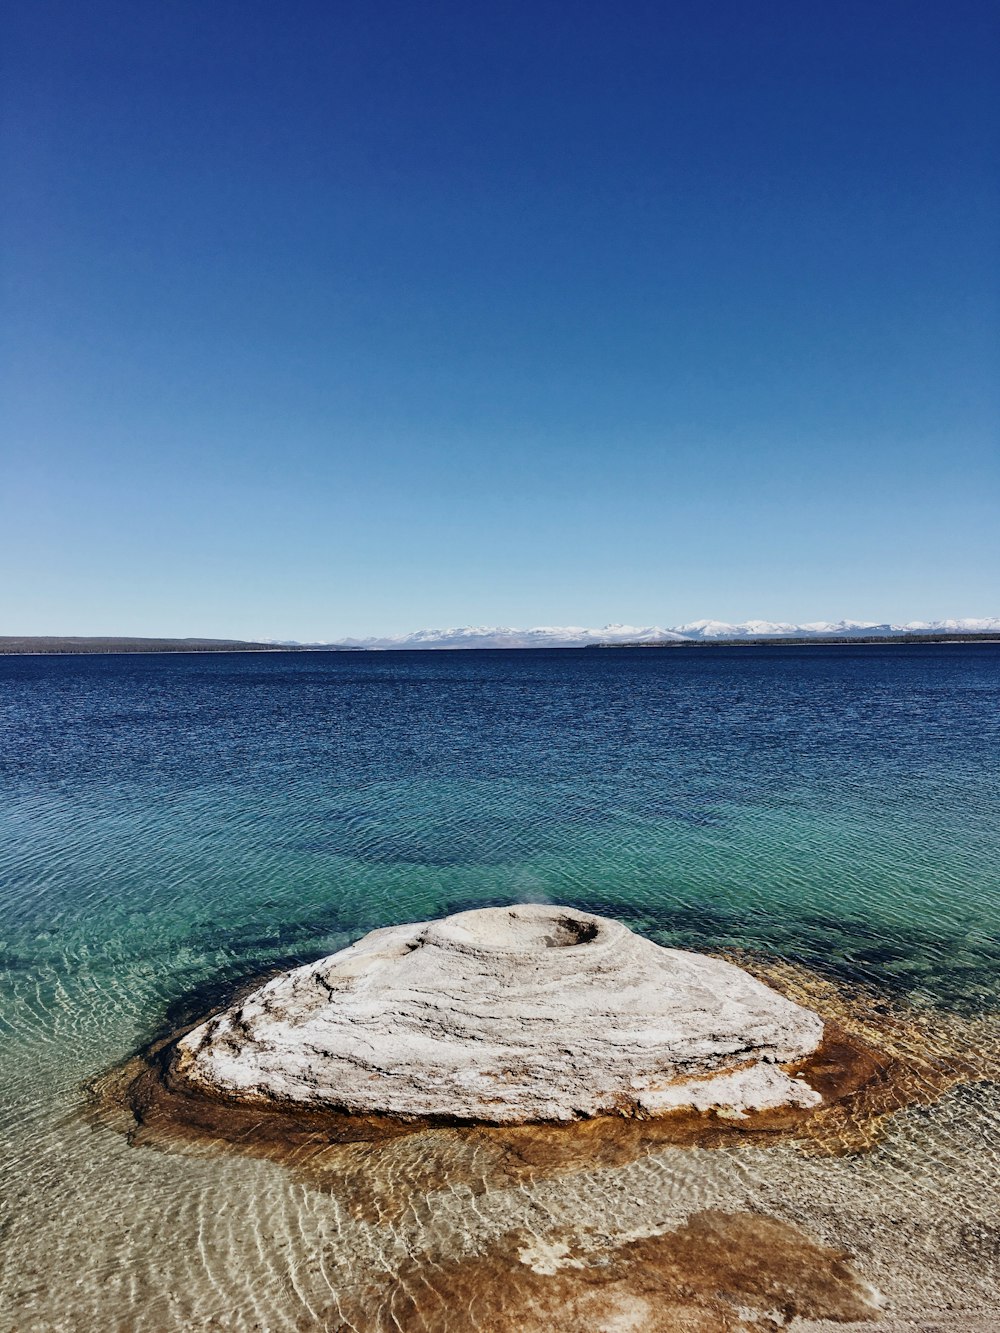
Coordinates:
x,y
542,636
572,636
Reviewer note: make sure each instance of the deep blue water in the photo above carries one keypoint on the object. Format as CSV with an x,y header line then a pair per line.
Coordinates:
x,y
840,804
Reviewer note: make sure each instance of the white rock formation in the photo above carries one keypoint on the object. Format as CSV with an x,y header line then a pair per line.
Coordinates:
x,y
508,1015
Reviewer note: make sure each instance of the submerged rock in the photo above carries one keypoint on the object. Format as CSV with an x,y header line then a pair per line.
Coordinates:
x,y
507,1016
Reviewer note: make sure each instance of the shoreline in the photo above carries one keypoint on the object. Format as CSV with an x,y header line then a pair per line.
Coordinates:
x,y
236,649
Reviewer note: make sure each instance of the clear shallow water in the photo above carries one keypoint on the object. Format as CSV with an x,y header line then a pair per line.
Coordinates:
x,y
170,823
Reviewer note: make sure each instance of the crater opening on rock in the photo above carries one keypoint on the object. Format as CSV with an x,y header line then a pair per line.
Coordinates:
x,y
566,931
528,928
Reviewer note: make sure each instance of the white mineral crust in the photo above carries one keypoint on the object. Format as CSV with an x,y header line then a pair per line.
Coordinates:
x,y
508,1015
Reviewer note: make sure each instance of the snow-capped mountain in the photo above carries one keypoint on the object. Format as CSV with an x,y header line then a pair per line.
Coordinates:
x,y
574,636
497,636
987,625
759,629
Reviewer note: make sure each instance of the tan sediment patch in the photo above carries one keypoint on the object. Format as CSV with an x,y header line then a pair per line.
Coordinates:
x,y
718,1273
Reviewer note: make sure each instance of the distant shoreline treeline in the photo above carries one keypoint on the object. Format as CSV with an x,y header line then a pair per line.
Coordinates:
x,y
46,645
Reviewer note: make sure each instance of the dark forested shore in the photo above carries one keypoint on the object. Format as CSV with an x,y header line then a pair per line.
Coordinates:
x,y
56,644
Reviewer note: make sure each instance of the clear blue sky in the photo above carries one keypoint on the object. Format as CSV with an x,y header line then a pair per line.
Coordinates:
x,y
355,317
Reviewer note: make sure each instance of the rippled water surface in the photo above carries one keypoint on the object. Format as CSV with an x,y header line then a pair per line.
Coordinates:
x,y
173,824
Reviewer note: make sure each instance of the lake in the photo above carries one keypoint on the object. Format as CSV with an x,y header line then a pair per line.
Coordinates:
x,y
173,825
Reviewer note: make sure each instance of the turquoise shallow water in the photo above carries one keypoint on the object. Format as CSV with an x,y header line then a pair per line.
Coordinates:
x,y
171,824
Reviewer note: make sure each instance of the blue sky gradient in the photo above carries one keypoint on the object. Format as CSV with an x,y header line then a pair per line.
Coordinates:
x,y
330,319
